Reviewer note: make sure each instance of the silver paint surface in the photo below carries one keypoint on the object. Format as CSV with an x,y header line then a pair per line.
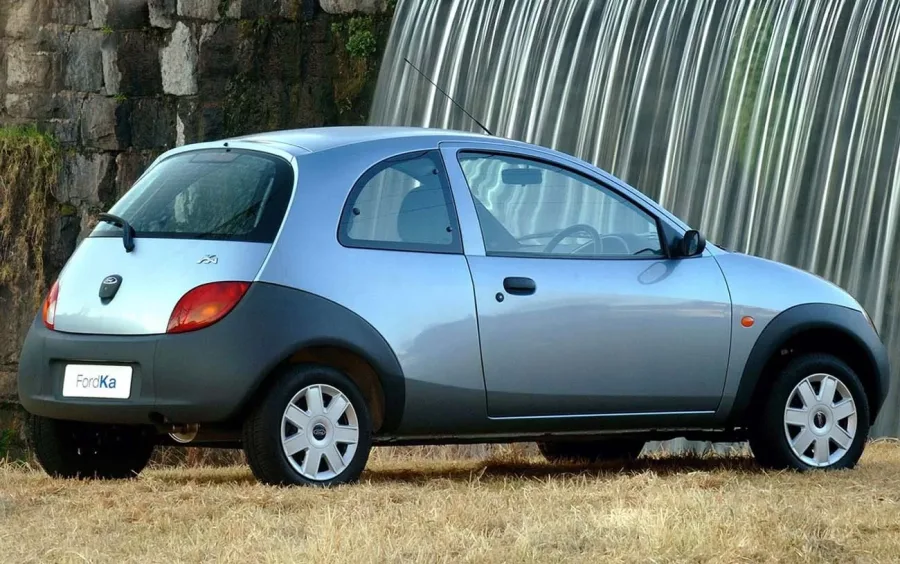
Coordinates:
x,y
762,288
603,336
154,277
770,125
599,337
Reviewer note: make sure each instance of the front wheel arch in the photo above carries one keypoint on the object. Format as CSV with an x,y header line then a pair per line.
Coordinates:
x,y
779,442
810,328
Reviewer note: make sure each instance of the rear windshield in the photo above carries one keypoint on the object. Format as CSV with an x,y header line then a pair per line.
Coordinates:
x,y
225,194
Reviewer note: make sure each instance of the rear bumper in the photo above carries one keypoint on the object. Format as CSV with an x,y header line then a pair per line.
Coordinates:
x,y
199,377
205,376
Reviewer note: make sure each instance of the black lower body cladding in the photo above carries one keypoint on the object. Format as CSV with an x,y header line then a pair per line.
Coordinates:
x,y
206,376
795,321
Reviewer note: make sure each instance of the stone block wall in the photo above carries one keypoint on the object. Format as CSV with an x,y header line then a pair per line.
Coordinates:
x,y
117,82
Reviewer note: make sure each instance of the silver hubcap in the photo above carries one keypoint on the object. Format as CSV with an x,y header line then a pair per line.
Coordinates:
x,y
319,432
820,420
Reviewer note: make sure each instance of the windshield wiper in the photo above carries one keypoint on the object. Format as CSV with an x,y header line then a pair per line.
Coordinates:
x,y
127,230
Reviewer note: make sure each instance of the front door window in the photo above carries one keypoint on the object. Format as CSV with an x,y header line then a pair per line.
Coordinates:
x,y
530,208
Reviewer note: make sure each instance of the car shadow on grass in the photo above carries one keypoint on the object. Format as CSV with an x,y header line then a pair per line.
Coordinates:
x,y
492,470
424,471
205,476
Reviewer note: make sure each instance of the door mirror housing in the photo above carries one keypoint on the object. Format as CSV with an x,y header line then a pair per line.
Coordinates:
x,y
692,244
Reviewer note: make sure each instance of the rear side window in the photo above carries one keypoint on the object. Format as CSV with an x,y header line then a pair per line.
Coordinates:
x,y
224,194
402,204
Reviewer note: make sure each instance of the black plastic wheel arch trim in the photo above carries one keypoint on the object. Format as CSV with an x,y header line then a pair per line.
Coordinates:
x,y
809,317
316,321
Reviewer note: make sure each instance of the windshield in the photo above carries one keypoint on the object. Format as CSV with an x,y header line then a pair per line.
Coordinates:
x,y
225,194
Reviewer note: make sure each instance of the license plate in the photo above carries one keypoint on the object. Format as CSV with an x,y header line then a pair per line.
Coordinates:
x,y
94,381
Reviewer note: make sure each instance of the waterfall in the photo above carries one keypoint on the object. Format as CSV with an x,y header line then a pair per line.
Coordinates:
x,y
773,126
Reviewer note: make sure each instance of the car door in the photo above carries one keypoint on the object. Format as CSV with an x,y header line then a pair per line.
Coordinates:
x,y
581,310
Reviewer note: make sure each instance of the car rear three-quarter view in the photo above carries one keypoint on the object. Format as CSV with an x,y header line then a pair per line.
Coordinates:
x,y
307,295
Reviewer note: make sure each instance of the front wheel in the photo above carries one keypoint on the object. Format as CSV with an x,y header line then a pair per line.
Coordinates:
x,y
591,450
816,416
312,428
72,449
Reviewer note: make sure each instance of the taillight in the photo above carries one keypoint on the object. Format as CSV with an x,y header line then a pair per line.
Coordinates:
x,y
48,311
204,305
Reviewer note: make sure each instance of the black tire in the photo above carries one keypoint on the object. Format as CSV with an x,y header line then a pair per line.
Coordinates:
x,y
591,451
72,449
262,428
767,434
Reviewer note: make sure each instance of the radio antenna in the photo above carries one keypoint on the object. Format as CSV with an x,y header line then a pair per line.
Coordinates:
x,y
448,97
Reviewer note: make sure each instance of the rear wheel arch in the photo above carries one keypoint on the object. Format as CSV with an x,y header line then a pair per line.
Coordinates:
x,y
352,363
311,329
382,386
302,446
807,328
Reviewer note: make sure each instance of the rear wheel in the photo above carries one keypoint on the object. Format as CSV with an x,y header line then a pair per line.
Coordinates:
x,y
71,449
816,415
591,451
312,428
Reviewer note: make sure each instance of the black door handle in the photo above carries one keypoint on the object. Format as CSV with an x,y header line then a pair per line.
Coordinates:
x,y
518,286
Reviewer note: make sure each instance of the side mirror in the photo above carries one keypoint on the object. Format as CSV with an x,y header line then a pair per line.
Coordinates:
x,y
693,243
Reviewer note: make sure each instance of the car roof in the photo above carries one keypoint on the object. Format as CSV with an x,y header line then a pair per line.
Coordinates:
x,y
317,139
325,138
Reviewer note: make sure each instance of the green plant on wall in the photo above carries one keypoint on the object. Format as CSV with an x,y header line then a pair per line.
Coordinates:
x,y
29,172
12,443
224,5
257,28
357,41
361,41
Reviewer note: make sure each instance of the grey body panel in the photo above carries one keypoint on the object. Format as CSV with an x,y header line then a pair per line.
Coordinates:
x,y
425,321
154,277
762,289
207,375
599,336
421,303
603,336
807,317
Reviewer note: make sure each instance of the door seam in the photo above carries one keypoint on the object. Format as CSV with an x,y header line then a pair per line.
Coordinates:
x,y
480,347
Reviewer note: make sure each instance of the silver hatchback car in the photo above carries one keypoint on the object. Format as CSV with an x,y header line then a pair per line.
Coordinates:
x,y
305,295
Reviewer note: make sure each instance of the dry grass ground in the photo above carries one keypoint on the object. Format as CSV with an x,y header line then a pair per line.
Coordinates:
x,y
509,507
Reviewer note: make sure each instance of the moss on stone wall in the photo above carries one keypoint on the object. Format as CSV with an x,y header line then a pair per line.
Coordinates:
x,y
29,171
30,162
359,44
306,73
116,91
12,437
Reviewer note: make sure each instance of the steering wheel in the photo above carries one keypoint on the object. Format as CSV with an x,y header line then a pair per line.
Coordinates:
x,y
569,231
616,238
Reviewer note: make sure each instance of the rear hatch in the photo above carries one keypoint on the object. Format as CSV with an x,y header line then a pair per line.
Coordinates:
x,y
197,217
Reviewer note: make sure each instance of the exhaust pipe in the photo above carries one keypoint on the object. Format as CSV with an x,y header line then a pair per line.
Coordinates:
x,y
185,433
